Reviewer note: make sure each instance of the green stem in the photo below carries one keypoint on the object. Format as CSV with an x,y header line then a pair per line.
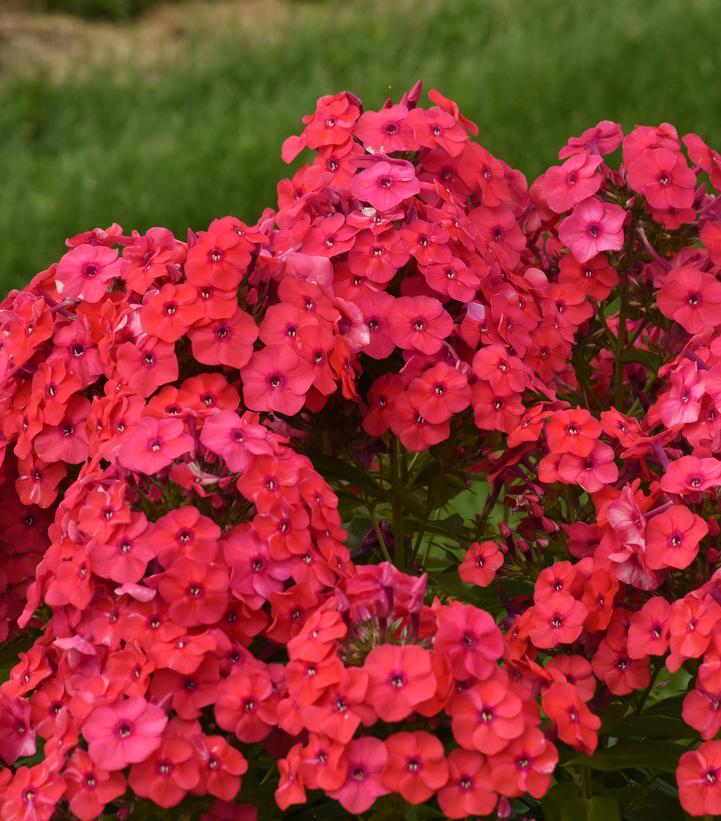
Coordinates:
x,y
586,783
379,536
397,505
647,691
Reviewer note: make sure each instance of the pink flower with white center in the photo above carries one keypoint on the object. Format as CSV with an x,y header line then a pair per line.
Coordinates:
x,y
386,184
235,438
566,185
17,736
124,733
386,130
691,474
419,323
276,379
366,757
593,226
603,138
153,444
85,272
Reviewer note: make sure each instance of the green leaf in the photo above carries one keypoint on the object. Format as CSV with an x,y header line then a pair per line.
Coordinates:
x,y
654,726
656,755
331,468
650,360
597,808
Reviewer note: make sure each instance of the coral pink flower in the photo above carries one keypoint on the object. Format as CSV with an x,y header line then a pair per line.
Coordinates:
x,y
148,366
591,472
153,444
399,678
414,430
613,665
276,379
90,788
691,297
572,431
68,440
603,138
577,671
702,711
85,272
33,793
182,532
575,723
218,258
416,766
385,184
690,474
596,276
196,593
566,185
505,373
167,774
435,127
387,130
557,619
225,341
376,308
663,177
486,716
124,557
171,311
222,766
440,392
649,629
672,538
468,791
377,257
17,736
244,706
419,323
126,732
480,563
235,438
698,776
366,759
470,639
525,766
593,226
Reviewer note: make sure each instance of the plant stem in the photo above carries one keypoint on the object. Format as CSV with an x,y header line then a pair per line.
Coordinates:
x,y
396,504
620,346
379,536
586,782
647,691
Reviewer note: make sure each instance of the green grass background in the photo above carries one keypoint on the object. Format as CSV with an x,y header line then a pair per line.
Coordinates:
x,y
201,138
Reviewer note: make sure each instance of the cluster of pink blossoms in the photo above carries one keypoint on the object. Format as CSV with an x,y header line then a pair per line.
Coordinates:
x,y
236,576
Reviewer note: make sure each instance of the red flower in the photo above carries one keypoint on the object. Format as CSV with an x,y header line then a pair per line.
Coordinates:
x,y
486,716
167,774
672,538
244,706
416,766
699,779
575,723
566,185
663,177
557,620
691,297
399,678
89,788
419,323
525,766
480,563
171,311
468,791
470,639
196,592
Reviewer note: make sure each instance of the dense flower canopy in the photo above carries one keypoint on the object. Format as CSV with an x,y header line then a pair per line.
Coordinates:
x,y
405,494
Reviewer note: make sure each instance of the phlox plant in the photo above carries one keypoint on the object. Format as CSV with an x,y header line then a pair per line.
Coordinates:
x,y
402,502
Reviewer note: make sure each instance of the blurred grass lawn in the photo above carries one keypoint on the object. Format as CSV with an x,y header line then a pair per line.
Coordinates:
x,y
185,143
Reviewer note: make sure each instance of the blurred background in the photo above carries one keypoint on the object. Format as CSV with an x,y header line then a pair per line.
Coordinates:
x,y
173,113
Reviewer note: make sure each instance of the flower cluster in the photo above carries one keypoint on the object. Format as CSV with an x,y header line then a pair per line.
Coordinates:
x,y
406,494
